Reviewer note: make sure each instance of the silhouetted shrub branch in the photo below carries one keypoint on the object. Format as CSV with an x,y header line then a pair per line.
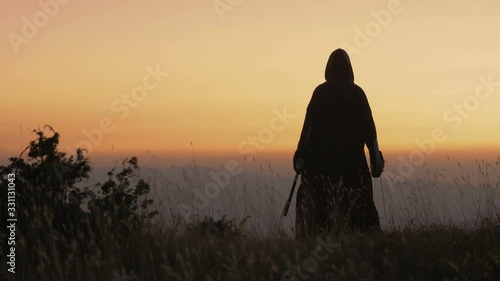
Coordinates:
x,y
55,210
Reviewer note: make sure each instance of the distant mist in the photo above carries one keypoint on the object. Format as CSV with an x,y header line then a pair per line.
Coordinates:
x,y
444,190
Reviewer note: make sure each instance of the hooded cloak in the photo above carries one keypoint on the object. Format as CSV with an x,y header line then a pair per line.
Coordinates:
x,y
336,177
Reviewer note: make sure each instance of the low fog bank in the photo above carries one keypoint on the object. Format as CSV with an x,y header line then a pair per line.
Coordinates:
x,y
442,191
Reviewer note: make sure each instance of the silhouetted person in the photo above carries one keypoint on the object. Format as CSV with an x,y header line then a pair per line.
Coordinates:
x,y
336,192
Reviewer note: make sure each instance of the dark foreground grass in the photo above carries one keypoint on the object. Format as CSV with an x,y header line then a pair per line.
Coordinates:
x,y
118,238
195,253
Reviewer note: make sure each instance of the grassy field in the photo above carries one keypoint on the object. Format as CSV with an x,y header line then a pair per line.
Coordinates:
x,y
114,239
221,249
217,250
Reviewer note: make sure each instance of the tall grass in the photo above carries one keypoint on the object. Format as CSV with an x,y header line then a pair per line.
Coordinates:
x,y
237,238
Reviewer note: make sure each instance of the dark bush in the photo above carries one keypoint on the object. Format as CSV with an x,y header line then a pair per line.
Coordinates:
x,y
58,215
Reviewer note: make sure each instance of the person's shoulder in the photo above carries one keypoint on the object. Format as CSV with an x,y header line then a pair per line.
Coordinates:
x,y
320,91
318,96
321,88
358,91
357,88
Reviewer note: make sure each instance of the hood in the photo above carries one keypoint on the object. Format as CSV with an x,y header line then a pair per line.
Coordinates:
x,y
339,68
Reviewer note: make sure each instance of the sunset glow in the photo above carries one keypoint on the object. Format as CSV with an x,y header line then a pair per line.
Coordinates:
x,y
210,76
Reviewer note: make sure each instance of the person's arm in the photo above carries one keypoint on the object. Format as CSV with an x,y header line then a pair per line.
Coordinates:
x,y
302,147
301,152
376,159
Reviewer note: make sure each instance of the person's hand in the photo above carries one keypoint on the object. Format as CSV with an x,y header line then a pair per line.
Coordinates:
x,y
298,163
377,164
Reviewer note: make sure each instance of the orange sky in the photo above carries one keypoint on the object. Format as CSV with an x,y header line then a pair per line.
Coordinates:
x,y
231,68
